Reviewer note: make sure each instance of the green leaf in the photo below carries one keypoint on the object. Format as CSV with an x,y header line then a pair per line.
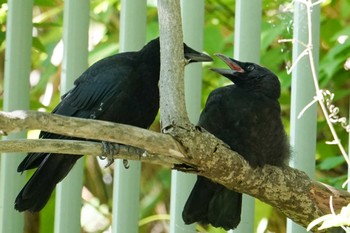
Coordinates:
x,y
45,3
214,42
331,162
38,45
269,33
2,37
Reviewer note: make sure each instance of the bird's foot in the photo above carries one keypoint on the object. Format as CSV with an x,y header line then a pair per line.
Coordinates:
x,y
132,151
109,150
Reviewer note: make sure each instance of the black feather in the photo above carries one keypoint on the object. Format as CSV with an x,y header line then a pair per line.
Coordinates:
x,y
122,88
246,116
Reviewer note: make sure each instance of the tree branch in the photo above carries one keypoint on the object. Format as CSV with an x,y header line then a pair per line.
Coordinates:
x,y
171,82
76,147
287,189
84,128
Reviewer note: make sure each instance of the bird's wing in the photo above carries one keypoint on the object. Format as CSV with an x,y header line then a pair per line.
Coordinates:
x,y
91,96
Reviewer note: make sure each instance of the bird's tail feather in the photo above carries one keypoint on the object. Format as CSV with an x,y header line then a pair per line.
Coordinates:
x,y
197,204
225,209
212,203
38,189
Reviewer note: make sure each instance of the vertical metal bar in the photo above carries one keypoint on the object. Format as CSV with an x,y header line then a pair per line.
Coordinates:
x,y
75,61
247,48
303,130
247,30
126,189
16,96
181,183
193,27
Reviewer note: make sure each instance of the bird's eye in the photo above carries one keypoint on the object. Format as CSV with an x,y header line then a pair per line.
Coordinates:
x,y
250,68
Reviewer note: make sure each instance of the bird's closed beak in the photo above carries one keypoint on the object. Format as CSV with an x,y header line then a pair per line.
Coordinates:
x,y
233,64
192,55
197,57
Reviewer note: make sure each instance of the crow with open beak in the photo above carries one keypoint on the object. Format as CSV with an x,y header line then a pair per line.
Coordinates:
x,y
246,116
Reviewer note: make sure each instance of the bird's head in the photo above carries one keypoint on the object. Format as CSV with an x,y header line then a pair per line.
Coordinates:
x,y
250,76
152,49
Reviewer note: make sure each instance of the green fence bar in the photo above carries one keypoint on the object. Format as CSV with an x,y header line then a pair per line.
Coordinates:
x,y
75,61
126,189
303,130
16,96
247,48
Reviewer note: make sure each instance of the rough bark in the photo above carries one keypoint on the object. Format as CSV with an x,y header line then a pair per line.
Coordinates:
x,y
81,128
194,150
171,82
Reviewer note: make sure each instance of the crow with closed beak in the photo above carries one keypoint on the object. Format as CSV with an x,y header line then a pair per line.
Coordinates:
x,y
122,88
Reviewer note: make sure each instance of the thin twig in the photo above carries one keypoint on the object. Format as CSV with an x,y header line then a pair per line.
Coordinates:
x,y
319,93
314,100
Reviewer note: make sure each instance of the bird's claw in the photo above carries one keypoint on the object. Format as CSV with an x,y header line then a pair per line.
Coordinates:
x,y
109,149
126,163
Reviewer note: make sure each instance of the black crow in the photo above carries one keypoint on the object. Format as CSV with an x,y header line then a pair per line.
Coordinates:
x,y
246,116
122,88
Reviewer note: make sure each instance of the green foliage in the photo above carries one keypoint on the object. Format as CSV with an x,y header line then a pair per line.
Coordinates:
x,y
218,31
331,162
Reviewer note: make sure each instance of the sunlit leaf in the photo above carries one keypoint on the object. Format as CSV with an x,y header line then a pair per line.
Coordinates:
x,y
38,45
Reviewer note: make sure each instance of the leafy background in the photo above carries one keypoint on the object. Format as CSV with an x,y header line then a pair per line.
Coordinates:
x,y
219,28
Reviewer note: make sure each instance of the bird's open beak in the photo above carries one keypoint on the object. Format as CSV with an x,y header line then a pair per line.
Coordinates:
x,y
194,56
233,64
